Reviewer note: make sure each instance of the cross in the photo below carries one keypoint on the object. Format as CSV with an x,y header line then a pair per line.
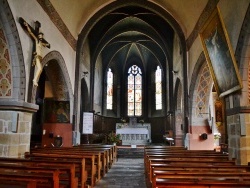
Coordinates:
x,y
40,42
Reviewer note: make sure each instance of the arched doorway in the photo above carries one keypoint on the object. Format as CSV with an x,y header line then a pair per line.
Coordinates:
x,y
54,98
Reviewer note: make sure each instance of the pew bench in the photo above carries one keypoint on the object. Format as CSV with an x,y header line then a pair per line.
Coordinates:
x,y
199,169
78,160
186,160
165,147
65,151
67,170
193,179
32,176
102,161
112,150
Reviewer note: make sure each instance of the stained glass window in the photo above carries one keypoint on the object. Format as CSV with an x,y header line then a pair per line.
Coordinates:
x,y
134,91
158,89
109,90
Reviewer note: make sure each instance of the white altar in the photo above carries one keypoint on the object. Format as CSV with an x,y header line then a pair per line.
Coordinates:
x,y
137,134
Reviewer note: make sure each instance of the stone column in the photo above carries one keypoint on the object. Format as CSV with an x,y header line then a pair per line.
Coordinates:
x,y
239,138
15,132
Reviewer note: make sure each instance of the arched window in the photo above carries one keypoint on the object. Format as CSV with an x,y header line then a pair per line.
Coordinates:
x,y
134,91
109,90
158,89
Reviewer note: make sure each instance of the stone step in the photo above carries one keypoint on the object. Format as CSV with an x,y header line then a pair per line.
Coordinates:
x,y
130,152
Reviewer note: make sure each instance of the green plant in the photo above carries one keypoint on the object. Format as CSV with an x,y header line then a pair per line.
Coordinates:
x,y
113,137
217,136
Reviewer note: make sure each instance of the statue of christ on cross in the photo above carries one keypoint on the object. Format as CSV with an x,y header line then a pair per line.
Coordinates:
x,y
40,42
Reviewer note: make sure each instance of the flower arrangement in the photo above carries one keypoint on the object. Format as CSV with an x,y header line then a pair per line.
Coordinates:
x,y
113,137
123,120
141,121
217,136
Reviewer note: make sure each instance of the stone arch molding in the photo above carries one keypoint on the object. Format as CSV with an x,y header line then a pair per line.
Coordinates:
x,y
82,38
66,86
196,84
9,28
242,55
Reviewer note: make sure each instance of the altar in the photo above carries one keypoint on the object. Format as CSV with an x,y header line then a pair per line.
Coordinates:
x,y
136,134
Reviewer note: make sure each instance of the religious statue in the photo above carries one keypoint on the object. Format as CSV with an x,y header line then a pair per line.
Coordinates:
x,y
40,42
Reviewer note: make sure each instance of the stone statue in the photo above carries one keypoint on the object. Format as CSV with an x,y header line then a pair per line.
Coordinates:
x,y
40,42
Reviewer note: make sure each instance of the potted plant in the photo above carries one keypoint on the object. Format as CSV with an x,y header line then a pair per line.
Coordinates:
x,y
217,137
114,138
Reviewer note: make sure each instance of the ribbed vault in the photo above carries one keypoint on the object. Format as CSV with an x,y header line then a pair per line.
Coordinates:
x,y
132,33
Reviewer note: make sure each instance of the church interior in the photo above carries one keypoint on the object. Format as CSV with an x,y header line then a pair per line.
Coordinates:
x,y
134,73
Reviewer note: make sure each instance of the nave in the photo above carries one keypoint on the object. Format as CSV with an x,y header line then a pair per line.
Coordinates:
x,y
125,173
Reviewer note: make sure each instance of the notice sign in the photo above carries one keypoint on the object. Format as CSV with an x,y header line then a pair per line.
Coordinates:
x,y
87,123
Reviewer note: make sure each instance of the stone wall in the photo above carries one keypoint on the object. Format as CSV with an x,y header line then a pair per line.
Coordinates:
x,y
238,129
15,131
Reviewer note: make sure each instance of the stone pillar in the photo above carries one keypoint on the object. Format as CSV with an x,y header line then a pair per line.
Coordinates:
x,y
15,132
239,137
245,138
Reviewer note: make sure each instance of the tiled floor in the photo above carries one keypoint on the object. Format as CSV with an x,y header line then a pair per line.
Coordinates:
x,y
125,173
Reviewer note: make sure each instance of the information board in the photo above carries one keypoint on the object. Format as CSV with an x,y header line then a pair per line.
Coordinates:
x,y
88,119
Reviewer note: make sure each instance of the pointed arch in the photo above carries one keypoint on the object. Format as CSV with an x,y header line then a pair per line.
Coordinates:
x,y
54,62
9,30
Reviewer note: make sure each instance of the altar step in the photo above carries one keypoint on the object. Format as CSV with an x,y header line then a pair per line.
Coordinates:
x,y
128,152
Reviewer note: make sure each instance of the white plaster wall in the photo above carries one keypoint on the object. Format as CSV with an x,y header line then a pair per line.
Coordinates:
x,y
186,13
32,12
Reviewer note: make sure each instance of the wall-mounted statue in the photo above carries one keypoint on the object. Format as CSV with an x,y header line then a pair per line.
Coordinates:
x,y
40,42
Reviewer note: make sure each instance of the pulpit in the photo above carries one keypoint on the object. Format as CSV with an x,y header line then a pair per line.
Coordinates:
x,y
136,134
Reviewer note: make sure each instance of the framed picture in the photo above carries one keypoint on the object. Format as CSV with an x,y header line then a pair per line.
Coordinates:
x,y
219,55
56,111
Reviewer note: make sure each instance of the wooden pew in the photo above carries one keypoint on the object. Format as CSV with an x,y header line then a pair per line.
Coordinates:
x,y
67,170
112,151
79,160
169,154
21,180
201,168
201,179
156,162
41,177
105,150
76,151
73,151
193,168
165,147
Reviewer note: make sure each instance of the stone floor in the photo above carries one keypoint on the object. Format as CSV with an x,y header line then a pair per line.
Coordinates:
x,y
125,173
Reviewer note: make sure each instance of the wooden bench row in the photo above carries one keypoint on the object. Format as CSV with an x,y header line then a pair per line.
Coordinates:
x,y
53,173
58,167
171,167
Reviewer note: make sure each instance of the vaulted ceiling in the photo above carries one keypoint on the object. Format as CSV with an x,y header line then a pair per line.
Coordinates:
x,y
76,14
131,33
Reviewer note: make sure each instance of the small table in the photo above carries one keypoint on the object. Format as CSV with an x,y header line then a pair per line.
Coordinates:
x,y
168,140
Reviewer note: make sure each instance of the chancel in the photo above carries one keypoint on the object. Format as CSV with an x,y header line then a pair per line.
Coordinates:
x,y
134,133
154,81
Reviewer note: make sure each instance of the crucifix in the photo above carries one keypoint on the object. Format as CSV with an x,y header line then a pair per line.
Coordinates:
x,y
40,42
